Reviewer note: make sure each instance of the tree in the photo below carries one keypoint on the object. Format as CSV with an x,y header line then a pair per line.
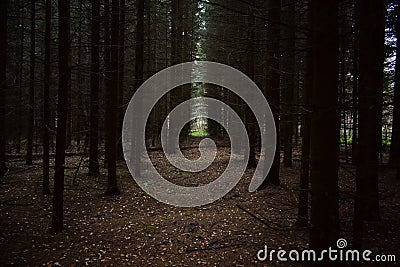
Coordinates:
x,y
324,124
62,112
139,52
250,119
3,85
112,97
273,84
94,90
302,215
395,142
288,74
46,100
31,106
370,89
121,72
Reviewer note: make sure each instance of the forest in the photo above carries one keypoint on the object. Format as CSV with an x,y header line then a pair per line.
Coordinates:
x,y
321,152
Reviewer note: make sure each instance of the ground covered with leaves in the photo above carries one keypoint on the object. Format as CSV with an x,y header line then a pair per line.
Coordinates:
x,y
133,229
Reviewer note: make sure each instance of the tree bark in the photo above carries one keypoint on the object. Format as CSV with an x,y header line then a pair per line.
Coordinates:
x,y
324,124
62,111
303,214
372,19
3,85
139,52
94,90
46,100
112,97
121,72
288,80
107,71
250,119
274,85
31,106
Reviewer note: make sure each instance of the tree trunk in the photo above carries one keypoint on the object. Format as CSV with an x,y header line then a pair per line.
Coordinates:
x,y
395,142
62,111
107,72
94,90
138,69
324,124
273,86
3,85
79,114
303,216
31,106
121,72
288,76
112,92
46,100
20,56
250,119
372,19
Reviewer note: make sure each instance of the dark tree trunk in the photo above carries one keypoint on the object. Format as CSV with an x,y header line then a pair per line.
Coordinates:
x,y
62,111
303,216
31,106
79,114
20,56
107,72
273,86
250,120
121,72
288,80
112,97
173,97
3,85
370,88
46,100
324,124
94,90
138,68
395,142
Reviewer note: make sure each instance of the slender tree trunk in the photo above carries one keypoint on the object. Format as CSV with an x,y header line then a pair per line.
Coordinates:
x,y
288,78
20,56
46,100
274,85
173,97
94,90
324,125
121,72
250,125
31,106
139,67
63,92
107,72
112,97
395,142
303,216
372,19
79,113
3,85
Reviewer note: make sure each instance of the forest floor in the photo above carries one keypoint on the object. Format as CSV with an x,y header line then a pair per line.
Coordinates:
x,y
133,229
